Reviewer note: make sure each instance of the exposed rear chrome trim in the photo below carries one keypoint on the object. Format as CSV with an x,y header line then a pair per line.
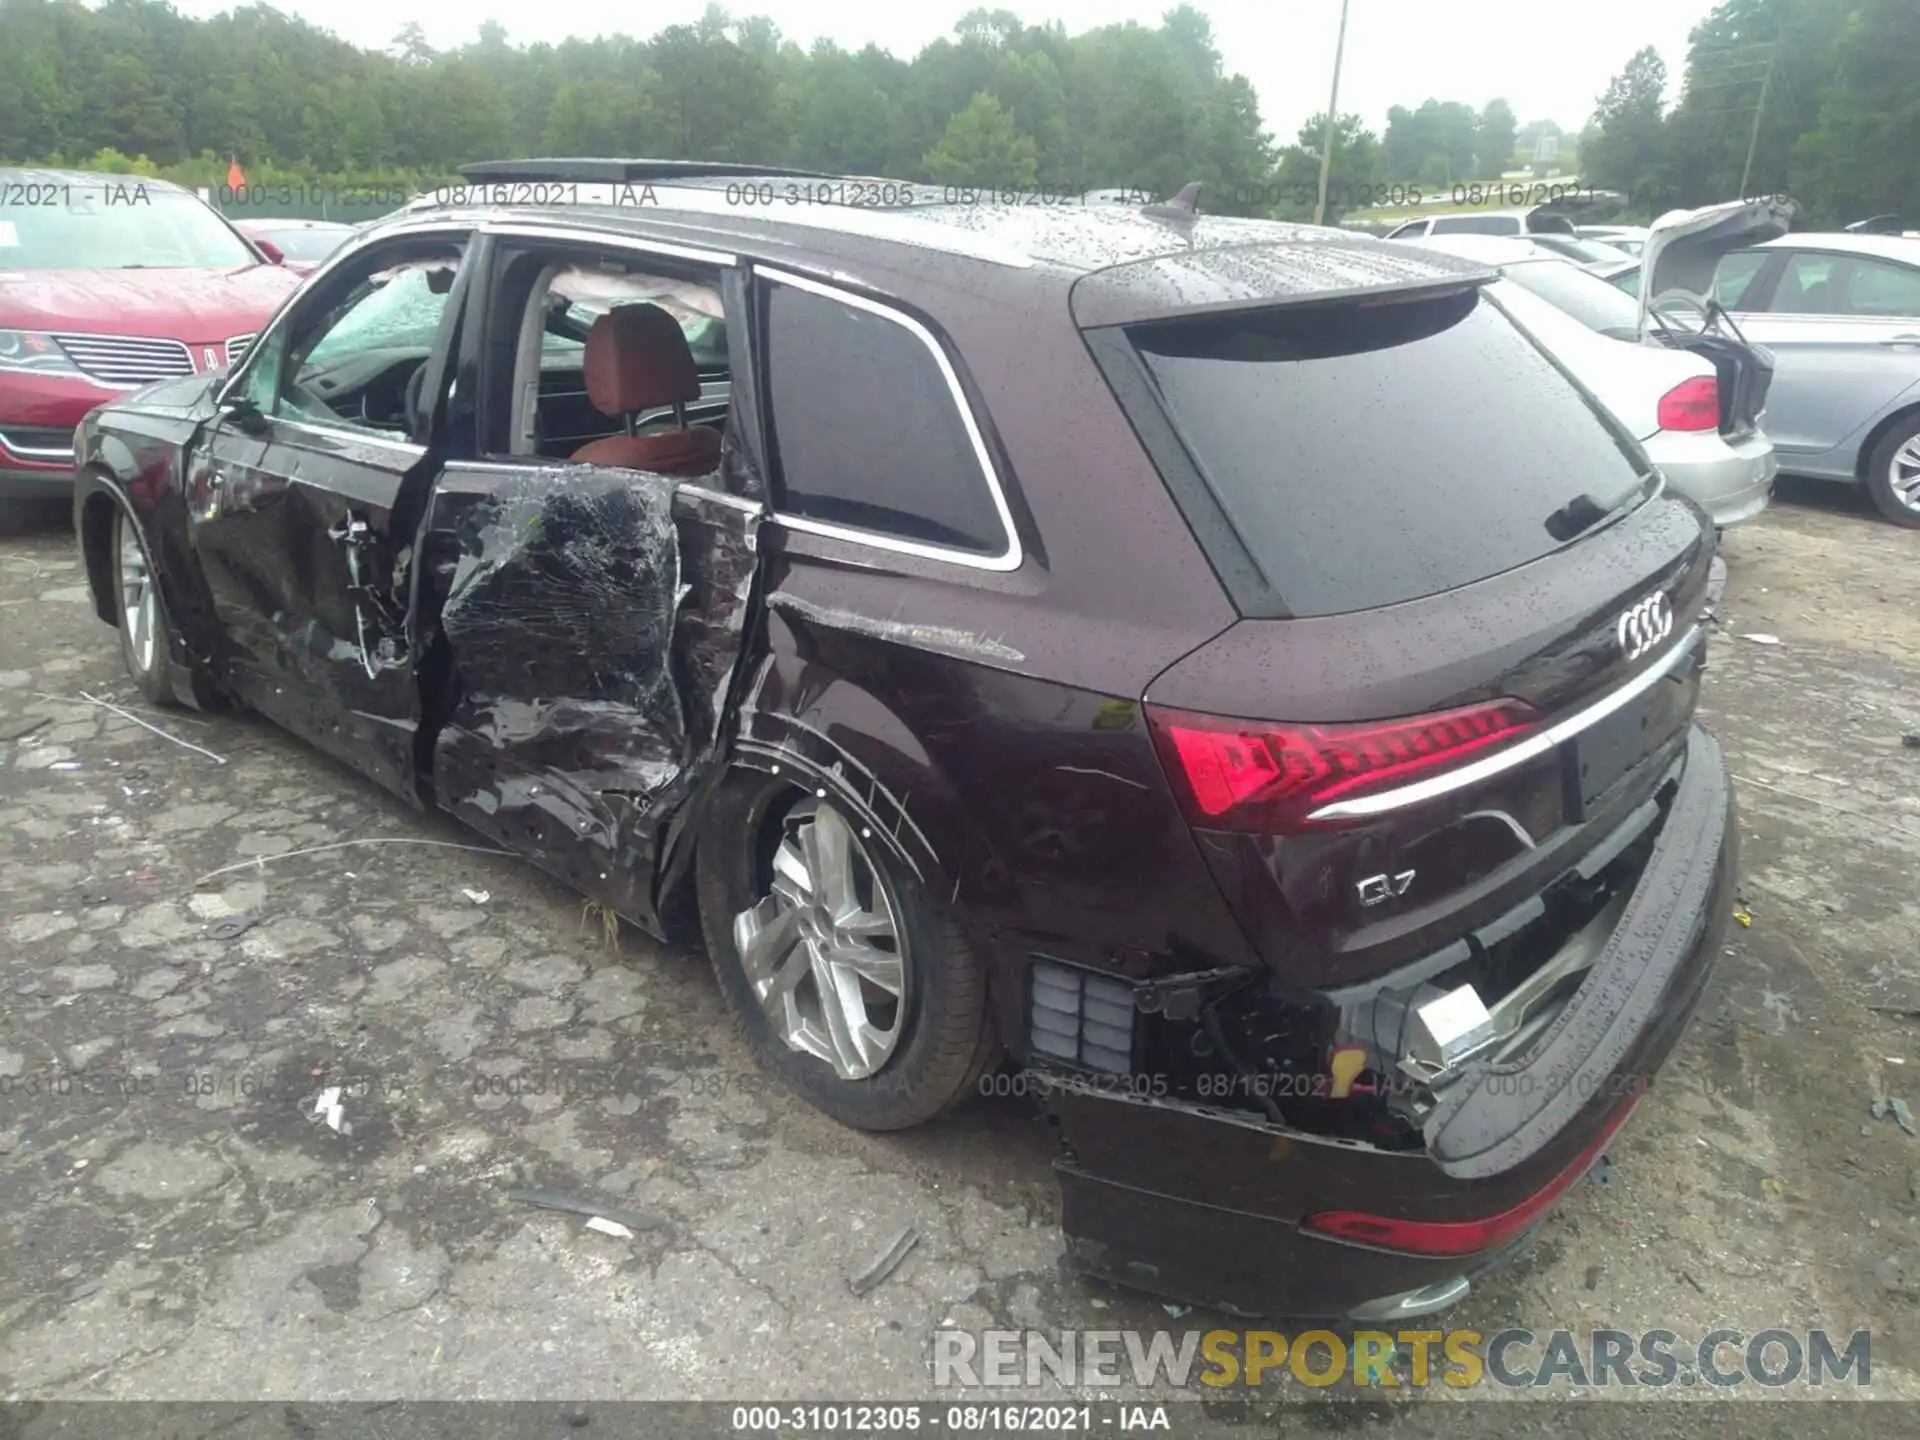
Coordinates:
x,y
1424,1301
1532,748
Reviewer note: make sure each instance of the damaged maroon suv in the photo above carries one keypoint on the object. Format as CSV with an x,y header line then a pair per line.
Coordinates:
x,y
1225,671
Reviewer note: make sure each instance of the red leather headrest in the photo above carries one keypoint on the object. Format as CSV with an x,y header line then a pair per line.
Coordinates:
x,y
637,358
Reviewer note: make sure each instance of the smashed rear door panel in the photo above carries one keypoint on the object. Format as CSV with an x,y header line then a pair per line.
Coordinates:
x,y
594,619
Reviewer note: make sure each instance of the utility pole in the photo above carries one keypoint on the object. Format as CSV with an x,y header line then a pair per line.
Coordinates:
x,y
1333,110
1753,140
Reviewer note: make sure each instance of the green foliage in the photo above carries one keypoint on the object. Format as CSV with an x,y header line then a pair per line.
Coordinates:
x,y
1495,138
1437,143
1355,171
981,146
1000,102
136,86
1627,152
1823,93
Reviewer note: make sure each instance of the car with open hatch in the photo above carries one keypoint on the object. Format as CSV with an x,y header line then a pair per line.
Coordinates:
x,y
1694,396
1838,311
108,283
1015,638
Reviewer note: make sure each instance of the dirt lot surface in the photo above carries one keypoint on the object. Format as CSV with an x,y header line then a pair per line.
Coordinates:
x,y
176,1223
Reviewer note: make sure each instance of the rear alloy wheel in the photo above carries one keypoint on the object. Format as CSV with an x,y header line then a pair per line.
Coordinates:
x,y
1893,473
843,977
142,614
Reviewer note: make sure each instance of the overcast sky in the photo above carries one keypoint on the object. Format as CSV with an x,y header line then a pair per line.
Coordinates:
x,y
1546,59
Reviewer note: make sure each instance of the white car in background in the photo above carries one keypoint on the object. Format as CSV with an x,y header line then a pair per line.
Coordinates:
x,y
1628,239
1692,398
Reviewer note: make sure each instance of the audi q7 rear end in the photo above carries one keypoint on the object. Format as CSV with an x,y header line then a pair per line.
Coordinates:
x,y
1443,772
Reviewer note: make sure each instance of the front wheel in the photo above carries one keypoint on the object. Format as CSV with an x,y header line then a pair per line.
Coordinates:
x,y
1893,473
142,614
846,978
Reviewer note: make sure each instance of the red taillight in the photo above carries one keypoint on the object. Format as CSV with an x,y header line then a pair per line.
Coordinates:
x,y
1691,405
1250,775
1463,1237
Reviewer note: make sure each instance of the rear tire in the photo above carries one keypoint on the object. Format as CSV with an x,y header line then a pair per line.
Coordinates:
x,y
875,1007
1893,473
141,612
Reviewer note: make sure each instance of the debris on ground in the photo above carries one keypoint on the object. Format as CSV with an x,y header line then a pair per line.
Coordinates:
x,y
579,1205
609,1227
26,730
888,1262
1902,1113
128,715
1716,579
1911,739
1176,1311
1743,915
259,862
231,927
329,1108
1760,638
478,897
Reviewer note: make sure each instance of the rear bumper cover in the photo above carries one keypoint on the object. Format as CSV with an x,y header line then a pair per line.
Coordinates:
x,y
1204,1205
1732,480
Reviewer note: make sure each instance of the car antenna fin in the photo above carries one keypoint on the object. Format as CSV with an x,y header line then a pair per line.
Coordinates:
x,y
1180,207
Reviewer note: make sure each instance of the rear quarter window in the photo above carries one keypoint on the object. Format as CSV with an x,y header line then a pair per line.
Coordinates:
x,y
1735,275
1476,225
868,432
1367,455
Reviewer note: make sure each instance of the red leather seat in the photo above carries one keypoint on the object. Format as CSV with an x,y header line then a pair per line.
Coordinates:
x,y
638,359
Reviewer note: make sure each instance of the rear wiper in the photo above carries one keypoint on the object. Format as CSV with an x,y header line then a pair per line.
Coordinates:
x,y
1586,510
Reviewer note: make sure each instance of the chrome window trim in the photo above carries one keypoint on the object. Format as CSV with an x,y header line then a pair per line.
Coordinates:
x,y
345,432
533,230
1009,559
1531,748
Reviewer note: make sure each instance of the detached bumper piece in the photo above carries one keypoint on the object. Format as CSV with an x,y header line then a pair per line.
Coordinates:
x,y
1223,1208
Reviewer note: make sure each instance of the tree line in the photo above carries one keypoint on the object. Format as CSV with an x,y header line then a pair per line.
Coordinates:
x,y
1817,99
133,85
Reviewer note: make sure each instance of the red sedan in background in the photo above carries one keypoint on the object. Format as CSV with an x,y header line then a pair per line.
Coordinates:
x,y
108,283
300,245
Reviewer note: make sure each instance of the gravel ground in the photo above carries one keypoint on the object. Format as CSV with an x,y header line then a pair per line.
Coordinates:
x,y
176,1224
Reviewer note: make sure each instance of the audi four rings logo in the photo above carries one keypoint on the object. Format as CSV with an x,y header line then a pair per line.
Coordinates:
x,y
1645,625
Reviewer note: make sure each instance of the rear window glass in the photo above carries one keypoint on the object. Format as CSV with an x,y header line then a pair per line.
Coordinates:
x,y
1477,225
1582,294
1371,455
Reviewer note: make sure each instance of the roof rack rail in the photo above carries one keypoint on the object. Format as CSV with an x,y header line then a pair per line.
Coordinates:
x,y
571,170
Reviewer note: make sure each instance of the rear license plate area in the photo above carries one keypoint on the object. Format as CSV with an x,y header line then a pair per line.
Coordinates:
x,y
1603,754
